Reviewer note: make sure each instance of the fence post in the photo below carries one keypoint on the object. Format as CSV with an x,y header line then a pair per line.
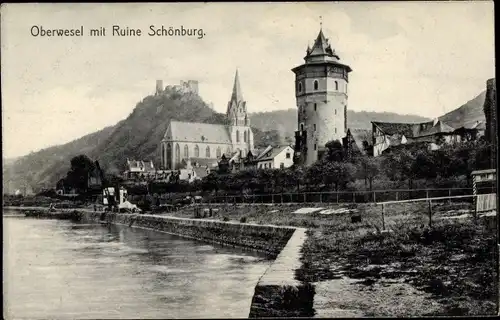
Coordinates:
x,y
374,197
320,197
430,213
354,197
449,195
397,195
337,196
272,198
383,219
305,197
427,194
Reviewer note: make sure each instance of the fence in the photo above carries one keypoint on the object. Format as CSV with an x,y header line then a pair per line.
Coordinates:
x,y
425,210
375,196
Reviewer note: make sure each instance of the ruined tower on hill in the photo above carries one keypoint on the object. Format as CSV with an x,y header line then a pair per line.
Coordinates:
x,y
321,95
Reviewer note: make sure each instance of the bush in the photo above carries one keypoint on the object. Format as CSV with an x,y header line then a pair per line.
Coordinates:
x,y
243,219
225,219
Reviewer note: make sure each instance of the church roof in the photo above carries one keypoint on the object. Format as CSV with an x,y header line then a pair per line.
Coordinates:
x,y
237,95
197,132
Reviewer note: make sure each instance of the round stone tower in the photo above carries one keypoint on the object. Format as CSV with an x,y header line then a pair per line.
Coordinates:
x,y
321,94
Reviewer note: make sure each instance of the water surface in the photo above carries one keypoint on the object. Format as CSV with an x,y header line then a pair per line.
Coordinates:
x,y
63,270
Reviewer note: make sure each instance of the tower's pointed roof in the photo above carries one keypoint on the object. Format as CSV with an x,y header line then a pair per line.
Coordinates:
x,y
236,95
321,47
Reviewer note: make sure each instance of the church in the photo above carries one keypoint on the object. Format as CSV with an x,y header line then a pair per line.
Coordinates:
x,y
190,143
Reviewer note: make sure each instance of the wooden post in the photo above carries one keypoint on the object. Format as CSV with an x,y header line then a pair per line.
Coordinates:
x,y
430,213
305,198
449,195
354,197
374,197
427,194
272,198
383,219
321,197
337,197
397,195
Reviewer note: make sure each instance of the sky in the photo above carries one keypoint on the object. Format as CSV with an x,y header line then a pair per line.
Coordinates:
x,y
424,58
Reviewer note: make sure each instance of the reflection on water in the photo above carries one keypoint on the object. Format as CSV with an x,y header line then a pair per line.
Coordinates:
x,y
58,269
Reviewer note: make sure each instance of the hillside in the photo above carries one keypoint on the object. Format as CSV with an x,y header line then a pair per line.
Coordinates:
x,y
285,121
469,113
138,136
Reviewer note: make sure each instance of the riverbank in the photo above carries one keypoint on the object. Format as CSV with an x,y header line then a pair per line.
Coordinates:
x,y
410,269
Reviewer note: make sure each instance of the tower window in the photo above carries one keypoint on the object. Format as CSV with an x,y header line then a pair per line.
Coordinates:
x,y
315,146
335,111
316,85
301,127
336,86
315,106
244,136
315,127
208,152
237,136
300,87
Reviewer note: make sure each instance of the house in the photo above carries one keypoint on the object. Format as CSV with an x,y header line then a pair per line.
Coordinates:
x,y
433,134
275,157
139,169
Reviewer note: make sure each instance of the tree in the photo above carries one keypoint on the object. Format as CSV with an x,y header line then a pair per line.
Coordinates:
x,y
368,169
334,151
77,177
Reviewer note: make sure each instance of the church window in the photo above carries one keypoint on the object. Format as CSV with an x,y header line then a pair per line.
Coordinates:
x,y
237,136
196,151
218,152
186,151
315,106
208,152
177,152
336,86
288,155
314,146
315,127
245,136
316,84
282,165
300,87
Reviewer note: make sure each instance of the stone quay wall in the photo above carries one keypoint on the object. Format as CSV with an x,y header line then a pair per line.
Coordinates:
x,y
268,239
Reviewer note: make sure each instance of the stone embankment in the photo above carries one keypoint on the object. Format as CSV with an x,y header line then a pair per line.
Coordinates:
x,y
278,293
268,239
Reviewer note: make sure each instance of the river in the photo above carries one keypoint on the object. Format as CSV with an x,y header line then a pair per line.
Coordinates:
x,y
64,270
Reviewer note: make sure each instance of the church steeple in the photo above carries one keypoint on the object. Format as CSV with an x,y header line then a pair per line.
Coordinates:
x,y
236,95
236,108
